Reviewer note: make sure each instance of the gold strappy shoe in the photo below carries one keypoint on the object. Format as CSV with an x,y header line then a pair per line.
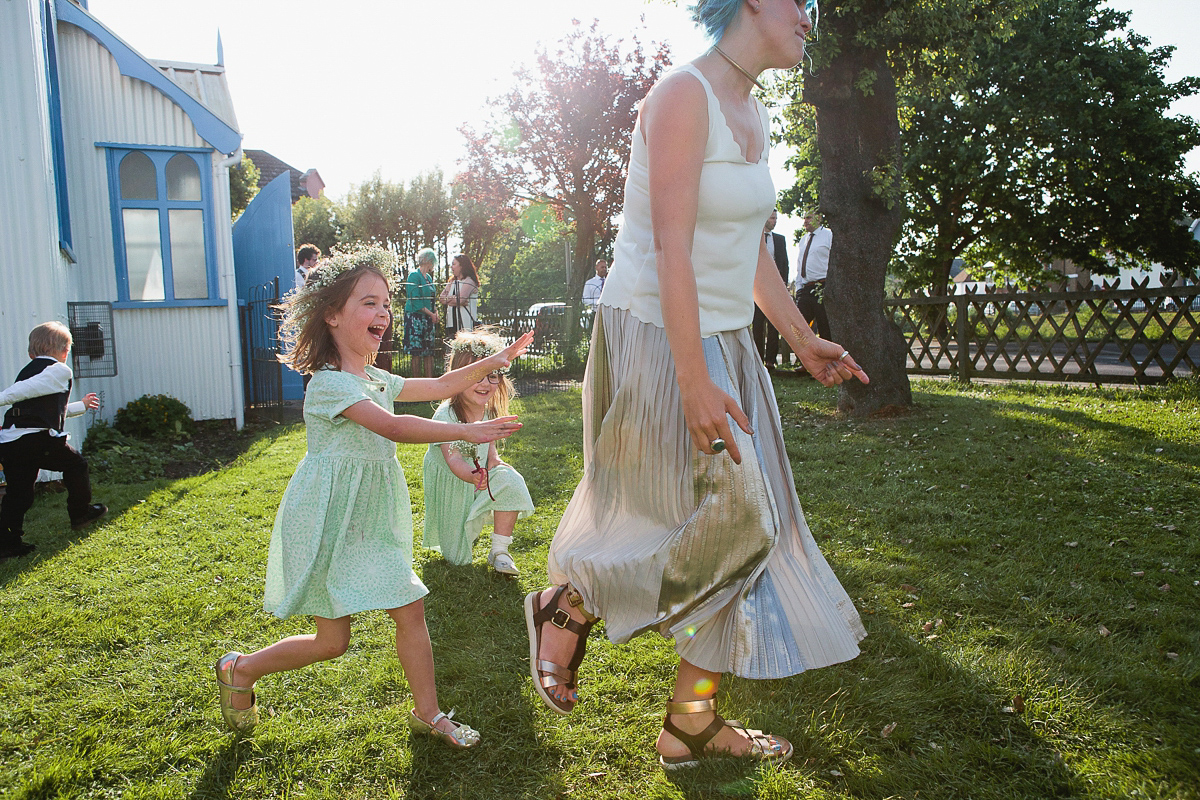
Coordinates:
x,y
461,738
239,720
547,674
763,747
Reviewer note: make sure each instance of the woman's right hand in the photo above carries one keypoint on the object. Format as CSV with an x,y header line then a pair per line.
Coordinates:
x,y
706,411
490,430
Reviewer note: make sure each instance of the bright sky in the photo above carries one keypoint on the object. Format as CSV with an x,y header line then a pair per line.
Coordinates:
x,y
354,86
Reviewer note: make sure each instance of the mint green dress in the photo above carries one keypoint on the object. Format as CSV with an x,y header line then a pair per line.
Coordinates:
x,y
455,512
343,537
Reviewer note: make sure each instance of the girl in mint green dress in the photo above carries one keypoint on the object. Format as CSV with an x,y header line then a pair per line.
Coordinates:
x,y
342,542
466,484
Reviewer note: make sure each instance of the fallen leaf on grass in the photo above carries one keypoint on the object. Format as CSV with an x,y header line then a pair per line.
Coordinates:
x,y
907,605
1139,573
1058,651
835,773
1072,544
908,587
1166,587
1019,704
1104,631
887,730
1172,655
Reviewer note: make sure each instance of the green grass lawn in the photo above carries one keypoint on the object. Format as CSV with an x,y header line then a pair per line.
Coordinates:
x,y
1025,560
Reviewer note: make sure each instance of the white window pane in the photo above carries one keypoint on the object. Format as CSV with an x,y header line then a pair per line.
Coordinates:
x,y
143,254
138,180
187,253
183,178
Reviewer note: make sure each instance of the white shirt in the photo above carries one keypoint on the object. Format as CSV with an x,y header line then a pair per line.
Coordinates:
x,y
817,265
54,379
592,289
735,197
301,277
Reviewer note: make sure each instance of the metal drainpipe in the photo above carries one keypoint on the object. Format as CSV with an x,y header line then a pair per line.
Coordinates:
x,y
229,283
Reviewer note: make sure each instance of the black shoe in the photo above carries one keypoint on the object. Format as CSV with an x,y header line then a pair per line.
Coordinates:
x,y
17,550
94,512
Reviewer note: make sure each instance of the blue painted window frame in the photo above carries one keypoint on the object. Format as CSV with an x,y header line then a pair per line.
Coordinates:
x,y
159,156
54,107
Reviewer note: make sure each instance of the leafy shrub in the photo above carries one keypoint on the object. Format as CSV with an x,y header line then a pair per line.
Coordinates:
x,y
155,416
114,457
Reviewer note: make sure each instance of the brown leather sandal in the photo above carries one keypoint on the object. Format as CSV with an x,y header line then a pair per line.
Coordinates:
x,y
763,747
547,674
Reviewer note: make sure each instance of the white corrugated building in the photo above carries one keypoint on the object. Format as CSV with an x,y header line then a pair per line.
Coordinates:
x,y
115,201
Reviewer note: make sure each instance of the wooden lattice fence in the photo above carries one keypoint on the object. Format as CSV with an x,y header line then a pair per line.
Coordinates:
x,y
1101,336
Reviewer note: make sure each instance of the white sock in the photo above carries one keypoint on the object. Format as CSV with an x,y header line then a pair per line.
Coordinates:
x,y
500,543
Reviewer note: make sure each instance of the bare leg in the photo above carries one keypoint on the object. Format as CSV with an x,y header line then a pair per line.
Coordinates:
x,y
330,641
558,644
416,657
504,522
693,683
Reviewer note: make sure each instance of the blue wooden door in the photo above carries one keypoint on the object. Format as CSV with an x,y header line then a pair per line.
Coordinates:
x,y
262,252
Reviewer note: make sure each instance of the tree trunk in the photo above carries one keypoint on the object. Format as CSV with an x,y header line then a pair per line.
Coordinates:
x,y
581,270
858,135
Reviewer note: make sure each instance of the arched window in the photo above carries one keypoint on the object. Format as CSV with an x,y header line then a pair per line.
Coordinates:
x,y
161,214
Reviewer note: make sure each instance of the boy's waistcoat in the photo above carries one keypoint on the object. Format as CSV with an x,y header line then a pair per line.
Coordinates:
x,y
47,411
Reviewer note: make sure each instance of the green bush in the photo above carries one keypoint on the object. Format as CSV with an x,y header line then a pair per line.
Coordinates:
x,y
155,416
116,458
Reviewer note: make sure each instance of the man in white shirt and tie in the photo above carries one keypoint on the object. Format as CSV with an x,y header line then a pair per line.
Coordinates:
x,y
810,276
766,338
595,285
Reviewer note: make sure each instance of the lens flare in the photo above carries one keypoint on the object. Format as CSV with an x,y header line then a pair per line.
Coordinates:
x,y
689,631
704,686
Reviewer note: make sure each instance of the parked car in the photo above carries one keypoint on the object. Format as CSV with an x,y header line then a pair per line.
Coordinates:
x,y
549,323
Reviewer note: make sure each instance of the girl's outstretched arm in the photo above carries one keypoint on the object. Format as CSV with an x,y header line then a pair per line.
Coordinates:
x,y
459,380
418,430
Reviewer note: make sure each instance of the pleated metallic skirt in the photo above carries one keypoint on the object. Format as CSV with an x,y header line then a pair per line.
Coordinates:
x,y
661,537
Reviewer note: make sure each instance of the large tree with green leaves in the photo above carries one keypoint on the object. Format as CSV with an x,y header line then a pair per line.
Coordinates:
x,y
315,221
400,218
1056,143
243,185
561,136
856,168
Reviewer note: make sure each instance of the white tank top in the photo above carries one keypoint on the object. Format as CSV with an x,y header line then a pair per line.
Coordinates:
x,y
736,197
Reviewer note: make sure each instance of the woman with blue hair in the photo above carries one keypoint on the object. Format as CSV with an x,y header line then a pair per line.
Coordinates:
x,y
686,523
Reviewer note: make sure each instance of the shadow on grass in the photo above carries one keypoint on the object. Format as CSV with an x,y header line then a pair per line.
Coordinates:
x,y
47,524
219,776
476,623
1033,537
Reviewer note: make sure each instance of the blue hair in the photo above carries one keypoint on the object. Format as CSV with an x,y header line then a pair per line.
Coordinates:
x,y
715,15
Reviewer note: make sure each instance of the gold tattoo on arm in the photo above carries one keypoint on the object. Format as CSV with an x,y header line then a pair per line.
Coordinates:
x,y
805,336
478,374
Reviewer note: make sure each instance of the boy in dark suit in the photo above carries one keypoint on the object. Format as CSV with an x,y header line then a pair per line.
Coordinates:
x,y
32,438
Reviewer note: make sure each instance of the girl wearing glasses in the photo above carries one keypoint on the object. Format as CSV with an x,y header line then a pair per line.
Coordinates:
x,y
686,522
466,483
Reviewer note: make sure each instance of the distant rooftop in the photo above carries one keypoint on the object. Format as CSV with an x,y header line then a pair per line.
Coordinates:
x,y
269,167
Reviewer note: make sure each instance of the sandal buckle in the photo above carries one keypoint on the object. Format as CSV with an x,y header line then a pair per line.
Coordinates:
x,y
560,618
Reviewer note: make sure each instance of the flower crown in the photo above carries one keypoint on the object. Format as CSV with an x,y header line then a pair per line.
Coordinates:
x,y
300,303
341,261
479,345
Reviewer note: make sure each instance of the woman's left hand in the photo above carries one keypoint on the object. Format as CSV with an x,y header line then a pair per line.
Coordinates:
x,y
830,363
